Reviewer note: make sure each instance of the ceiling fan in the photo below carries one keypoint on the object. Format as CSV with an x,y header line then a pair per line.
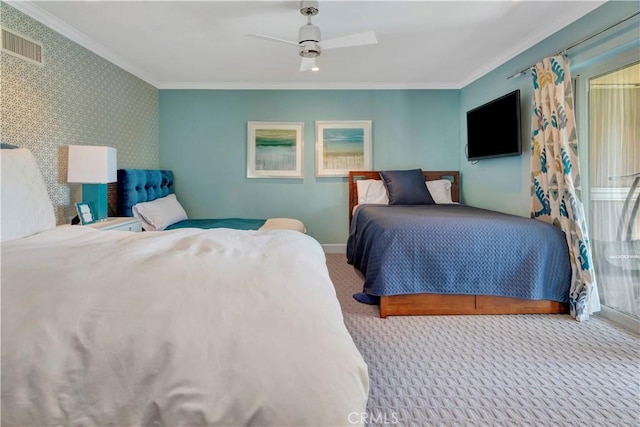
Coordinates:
x,y
310,45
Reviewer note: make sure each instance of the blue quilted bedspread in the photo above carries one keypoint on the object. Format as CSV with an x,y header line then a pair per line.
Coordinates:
x,y
457,249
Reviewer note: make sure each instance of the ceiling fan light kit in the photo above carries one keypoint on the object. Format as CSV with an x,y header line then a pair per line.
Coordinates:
x,y
309,40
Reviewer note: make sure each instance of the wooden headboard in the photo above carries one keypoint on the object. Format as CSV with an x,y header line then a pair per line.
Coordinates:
x,y
453,176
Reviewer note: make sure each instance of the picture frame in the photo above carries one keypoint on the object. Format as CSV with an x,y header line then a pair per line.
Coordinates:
x,y
342,146
85,213
275,149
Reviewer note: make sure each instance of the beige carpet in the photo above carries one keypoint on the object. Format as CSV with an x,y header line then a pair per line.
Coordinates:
x,y
512,370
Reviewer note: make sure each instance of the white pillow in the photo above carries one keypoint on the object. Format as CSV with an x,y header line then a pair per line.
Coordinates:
x,y
372,191
26,206
440,190
160,213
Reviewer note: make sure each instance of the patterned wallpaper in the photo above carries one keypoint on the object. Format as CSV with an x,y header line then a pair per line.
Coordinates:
x,y
75,98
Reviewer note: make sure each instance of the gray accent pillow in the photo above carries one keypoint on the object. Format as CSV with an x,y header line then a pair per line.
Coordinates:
x,y
7,146
406,187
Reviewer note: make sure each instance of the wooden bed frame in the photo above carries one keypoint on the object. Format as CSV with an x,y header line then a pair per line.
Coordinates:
x,y
449,304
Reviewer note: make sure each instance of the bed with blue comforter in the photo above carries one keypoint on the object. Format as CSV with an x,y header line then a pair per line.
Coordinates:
x,y
457,259
146,185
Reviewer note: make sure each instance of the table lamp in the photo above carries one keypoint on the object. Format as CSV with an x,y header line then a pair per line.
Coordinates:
x,y
93,167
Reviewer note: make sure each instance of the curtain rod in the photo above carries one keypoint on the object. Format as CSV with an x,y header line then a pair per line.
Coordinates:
x,y
562,51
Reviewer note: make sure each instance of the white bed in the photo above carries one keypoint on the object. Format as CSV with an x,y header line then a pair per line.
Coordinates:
x,y
186,327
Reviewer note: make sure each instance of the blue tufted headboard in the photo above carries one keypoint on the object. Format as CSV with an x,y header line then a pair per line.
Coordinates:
x,y
141,185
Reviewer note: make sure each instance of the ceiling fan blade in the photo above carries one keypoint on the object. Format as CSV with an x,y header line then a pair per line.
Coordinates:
x,y
357,39
275,39
307,64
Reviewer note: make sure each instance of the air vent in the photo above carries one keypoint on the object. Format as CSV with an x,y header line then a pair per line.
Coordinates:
x,y
22,47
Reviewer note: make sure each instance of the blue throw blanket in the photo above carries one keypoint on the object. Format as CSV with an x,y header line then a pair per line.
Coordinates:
x,y
234,223
456,249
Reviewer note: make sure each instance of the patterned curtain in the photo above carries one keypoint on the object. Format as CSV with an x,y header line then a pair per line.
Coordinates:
x,y
555,176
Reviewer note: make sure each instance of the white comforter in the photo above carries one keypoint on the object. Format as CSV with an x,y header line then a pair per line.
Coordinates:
x,y
187,327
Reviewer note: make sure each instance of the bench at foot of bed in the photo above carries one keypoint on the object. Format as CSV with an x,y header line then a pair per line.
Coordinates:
x,y
442,304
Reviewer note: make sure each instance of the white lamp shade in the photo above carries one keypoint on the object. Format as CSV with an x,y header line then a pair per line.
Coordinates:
x,y
89,164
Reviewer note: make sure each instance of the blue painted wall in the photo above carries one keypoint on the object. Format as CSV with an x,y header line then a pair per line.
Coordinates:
x,y
503,184
203,136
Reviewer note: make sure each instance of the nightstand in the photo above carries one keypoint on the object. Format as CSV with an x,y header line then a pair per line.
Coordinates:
x,y
119,224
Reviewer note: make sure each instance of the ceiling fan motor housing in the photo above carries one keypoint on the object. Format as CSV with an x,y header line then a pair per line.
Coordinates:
x,y
309,33
309,36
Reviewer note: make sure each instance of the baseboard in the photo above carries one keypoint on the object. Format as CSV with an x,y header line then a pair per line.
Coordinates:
x,y
335,248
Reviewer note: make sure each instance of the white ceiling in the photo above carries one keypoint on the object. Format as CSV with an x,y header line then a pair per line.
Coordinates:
x,y
203,44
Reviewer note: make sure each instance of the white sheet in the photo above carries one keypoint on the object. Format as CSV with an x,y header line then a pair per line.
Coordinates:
x,y
184,327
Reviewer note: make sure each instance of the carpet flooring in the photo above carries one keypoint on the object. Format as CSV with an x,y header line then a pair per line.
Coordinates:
x,y
510,370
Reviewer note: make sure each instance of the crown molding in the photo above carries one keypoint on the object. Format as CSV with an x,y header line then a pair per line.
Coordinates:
x,y
29,8
308,86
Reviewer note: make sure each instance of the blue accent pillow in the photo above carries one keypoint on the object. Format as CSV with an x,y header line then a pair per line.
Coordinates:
x,y
406,187
4,146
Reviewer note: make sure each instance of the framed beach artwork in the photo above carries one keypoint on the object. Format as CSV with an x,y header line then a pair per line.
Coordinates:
x,y
342,146
274,149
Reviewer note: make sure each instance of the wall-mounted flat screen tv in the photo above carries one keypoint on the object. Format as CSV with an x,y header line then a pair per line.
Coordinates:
x,y
493,129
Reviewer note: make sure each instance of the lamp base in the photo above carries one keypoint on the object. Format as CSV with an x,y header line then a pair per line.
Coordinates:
x,y
96,195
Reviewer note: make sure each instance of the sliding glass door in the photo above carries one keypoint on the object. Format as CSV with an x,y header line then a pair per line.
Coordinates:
x,y
614,185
